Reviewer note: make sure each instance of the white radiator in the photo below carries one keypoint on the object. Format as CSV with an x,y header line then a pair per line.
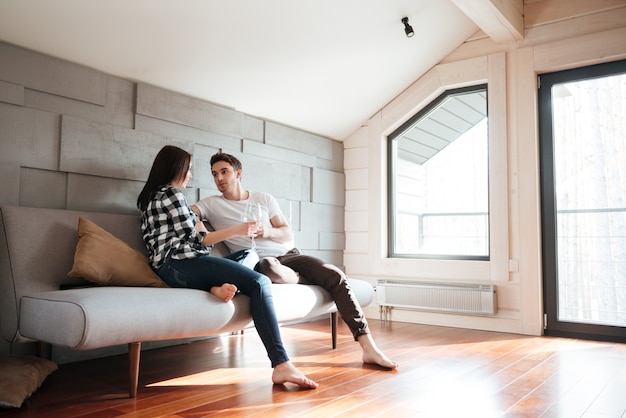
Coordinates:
x,y
462,298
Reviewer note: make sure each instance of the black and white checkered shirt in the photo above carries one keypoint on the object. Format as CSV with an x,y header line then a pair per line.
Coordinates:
x,y
168,226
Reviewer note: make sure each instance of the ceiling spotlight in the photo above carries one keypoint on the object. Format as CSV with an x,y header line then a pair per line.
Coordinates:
x,y
407,28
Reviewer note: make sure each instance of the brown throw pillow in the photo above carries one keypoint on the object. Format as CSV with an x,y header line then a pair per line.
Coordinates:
x,y
20,376
106,260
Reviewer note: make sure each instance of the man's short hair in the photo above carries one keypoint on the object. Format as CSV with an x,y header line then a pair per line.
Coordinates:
x,y
230,159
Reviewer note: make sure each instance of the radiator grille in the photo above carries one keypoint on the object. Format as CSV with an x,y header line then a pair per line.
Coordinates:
x,y
464,298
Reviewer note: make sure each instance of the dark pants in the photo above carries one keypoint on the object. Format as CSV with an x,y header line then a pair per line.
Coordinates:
x,y
313,270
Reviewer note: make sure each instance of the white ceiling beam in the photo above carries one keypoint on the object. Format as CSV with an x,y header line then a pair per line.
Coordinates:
x,y
501,20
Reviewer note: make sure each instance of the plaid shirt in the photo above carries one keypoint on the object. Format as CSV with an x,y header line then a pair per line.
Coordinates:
x,y
168,226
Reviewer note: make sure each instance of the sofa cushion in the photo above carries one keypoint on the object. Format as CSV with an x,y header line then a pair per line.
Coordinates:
x,y
20,376
103,316
106,260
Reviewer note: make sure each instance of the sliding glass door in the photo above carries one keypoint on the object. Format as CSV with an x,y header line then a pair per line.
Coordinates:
x,y
583,181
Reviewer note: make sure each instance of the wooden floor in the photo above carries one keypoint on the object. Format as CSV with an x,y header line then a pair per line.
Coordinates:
x,y
445,372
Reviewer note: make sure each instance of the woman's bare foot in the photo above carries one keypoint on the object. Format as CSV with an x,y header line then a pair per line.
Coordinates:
x,y
288,373
373,355
225,292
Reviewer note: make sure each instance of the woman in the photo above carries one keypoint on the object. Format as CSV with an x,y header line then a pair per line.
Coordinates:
x,y
178,251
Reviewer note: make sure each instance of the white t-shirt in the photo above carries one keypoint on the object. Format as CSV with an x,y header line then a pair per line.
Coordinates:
x,y
223,213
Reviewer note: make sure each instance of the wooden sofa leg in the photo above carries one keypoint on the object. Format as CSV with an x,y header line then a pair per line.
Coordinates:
x,y
134,351
333,328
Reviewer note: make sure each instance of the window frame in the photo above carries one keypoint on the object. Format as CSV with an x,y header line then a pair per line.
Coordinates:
x,y
490,70
392,176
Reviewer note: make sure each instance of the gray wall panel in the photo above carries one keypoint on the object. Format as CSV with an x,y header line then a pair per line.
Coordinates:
x,y
328,187
167,105
10,184
52,75
282,180
286,137
42,188
253,128
102,194
322,218
107,150
11,93
278,153
187,133
202,176
29,137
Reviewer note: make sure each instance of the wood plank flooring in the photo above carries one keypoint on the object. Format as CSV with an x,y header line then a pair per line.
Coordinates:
x,y
444,372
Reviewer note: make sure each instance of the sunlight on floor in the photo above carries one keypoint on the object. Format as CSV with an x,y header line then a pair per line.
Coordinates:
x,y
224,376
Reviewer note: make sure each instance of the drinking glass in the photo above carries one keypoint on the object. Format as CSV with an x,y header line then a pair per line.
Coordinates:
x,y
251,213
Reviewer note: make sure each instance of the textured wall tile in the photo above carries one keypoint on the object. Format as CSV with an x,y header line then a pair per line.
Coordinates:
x,y
42,188
40,100
336,163
118,109
167,105
52,75
11,93
278,153
290,138
321,218
328,187
284,180
186,133
10,184
202,176
29,137
332,241
101,194
106,150
291,210
253,128
120,102
306,241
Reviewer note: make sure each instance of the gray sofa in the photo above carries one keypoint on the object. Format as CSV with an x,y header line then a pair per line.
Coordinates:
x,y
40,303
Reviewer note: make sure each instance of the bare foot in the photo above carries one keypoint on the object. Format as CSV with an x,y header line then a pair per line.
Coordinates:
x,y
288,373
373,355
225,292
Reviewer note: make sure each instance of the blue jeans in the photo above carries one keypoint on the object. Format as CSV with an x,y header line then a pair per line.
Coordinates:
x,y
206,271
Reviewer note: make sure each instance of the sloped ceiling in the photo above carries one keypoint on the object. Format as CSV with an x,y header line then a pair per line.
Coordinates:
x,y
323,66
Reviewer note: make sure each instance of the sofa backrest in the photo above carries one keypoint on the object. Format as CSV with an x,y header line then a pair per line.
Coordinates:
x,y
37,251
37,248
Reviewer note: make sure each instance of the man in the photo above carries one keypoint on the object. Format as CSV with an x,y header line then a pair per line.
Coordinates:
x,y
272,239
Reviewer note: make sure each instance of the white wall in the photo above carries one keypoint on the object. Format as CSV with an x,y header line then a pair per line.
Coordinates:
x,y
556,38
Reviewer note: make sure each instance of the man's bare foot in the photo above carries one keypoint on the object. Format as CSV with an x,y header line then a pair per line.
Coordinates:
x,y
288,373
225,292
373,355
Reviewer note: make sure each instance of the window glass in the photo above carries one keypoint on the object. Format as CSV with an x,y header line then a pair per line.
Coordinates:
x,y
439,179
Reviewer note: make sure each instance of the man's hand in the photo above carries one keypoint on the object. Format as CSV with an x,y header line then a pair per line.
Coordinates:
x,y
248,229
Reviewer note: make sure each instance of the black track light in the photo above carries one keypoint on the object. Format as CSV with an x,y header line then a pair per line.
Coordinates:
x,y
407,28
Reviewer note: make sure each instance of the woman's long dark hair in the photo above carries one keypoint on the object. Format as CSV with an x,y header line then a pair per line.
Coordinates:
x,y
170,164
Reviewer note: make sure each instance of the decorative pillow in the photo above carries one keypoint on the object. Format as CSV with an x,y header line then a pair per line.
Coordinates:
x,y
20,376
106,260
